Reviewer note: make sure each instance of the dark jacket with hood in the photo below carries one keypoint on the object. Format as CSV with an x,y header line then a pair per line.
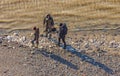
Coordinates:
x,y
62,30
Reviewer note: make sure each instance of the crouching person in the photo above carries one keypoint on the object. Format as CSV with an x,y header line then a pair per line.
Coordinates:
x,y
36,37
62,33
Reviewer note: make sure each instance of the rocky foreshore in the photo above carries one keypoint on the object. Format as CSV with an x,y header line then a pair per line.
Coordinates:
x,y
97,54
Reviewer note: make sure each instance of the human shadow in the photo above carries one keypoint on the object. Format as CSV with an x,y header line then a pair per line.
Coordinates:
x,y
93,62
57,58
86,58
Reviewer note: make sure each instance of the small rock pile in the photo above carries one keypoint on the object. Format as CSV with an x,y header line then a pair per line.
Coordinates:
x,y
15,37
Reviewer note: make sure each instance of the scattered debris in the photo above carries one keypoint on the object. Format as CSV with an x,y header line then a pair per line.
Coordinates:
x,y
32,52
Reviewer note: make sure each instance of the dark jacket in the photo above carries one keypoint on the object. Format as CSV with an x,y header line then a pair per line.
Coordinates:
x,y
62,31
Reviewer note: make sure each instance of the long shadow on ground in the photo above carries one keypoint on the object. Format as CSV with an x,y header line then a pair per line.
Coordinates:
x,y
85,58
58,58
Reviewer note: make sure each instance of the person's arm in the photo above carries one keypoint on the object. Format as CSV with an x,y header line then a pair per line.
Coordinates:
x,y
44,21
52,21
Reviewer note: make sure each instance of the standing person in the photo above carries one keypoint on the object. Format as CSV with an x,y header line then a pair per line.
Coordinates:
x,y
36,37
62,33
49,24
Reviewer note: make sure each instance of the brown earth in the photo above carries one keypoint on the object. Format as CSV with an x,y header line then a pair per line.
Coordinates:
x,y
19,60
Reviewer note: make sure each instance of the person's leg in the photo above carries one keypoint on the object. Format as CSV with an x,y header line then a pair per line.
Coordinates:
x,y
50,32
33,43
59,41
50,35
37,43
46,34
47,30
63,39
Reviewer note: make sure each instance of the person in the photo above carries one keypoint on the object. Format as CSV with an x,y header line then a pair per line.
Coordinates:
x,y
62,33
36,37
49,24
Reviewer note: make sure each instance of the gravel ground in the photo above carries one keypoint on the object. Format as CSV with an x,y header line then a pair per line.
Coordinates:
x,y
50,60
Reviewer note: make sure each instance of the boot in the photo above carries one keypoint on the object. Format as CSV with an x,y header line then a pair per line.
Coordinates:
x,y
64,46
49,36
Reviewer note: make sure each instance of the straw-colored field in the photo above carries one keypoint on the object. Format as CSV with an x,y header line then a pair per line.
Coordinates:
x,y
19,14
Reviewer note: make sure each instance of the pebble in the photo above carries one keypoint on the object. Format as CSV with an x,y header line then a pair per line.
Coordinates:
x,y
90,48
41,47
113,44
9,38
72,42
91,40
26,58
22,39
50,46
13,47
1,37
5,45
20,45
15,34
86,45
10,47
6,71
24,64
31,34
32,52
0,41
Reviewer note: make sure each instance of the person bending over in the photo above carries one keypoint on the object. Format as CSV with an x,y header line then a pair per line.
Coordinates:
x,y
49,24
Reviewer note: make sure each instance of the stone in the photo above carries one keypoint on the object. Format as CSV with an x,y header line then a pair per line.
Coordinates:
x,y
86,45
9,38
5,45
113,44
20,45
25,58
24,64
41,47
98,49
10,47
13,47
90,48
6,71
15,34
32,52
91,40
22,39
50,46
0,41
72,42
29,44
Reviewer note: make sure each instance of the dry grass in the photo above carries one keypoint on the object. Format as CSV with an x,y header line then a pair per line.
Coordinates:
x,y
22,14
